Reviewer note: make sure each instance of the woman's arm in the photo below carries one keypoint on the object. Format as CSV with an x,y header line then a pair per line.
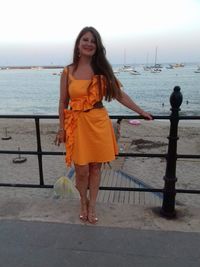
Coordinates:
x,y
63,103
125,100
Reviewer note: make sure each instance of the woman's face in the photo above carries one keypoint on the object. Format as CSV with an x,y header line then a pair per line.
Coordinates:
x,y
87,45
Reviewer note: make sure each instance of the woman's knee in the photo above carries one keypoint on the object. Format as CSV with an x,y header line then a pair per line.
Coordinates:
x,y
95,168
82,172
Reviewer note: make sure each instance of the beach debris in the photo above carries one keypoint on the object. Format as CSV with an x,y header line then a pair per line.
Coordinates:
x,y
142,144
19,159
134,122
122,147
6,136
116,127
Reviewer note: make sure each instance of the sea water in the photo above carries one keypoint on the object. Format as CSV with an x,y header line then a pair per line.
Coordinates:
x,y
36,91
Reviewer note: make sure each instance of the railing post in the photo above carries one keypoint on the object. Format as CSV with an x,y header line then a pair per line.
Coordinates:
x,y
39,150
168,206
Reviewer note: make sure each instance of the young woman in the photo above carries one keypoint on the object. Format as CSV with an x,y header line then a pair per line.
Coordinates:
x,y
85,125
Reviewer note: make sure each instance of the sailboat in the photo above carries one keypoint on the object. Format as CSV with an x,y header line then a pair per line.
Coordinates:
x,y
147,67
126,67
157,67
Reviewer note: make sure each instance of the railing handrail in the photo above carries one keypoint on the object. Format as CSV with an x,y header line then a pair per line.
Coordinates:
x,y
112,116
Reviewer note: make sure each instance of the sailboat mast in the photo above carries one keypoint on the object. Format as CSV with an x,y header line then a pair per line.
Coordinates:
x,y
124,57
147,59
156,56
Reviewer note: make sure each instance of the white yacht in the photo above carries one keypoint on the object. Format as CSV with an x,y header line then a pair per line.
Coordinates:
x,y
135,72
116,71
127,68
155,70
198,70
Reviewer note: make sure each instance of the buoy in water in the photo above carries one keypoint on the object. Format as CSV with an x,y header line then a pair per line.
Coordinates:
x,y
134,122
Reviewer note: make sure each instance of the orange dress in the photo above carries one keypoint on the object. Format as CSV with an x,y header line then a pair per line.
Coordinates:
x,y
89,133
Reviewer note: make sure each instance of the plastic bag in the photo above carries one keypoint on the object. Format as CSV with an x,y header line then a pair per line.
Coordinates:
x,y
64,187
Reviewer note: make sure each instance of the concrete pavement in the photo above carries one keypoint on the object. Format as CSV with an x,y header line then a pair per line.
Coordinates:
x,y
37,230
41,244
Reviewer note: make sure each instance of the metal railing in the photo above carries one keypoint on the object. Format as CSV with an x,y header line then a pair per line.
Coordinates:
x,y
169,191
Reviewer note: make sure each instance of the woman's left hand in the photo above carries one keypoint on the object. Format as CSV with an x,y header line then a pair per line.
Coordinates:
x,y
146,116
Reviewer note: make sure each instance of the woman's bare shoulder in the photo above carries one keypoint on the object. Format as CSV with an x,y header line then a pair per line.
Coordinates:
x,y
68,68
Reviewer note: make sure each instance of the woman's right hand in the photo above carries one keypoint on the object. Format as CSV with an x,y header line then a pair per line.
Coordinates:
x,y
60,137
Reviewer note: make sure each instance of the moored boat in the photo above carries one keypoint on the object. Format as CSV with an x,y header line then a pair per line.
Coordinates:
x,y
135,72
127,68
198,70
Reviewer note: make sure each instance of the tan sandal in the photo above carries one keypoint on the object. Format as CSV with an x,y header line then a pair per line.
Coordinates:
x,y
92,219
83,216
92,216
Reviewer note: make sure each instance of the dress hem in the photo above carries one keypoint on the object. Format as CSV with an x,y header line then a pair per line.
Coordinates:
x,y
105,161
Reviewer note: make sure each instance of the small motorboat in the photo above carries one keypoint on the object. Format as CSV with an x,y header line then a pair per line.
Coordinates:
x,y
134,72
127,68
155,70
198,70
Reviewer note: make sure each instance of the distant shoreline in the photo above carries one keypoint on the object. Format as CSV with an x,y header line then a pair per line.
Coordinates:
x,y
36,67
31,67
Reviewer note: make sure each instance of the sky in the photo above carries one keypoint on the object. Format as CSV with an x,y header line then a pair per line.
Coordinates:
x,y
41,32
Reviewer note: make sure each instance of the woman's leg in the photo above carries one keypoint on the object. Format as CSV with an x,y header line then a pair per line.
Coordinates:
x,y
82,183
94,181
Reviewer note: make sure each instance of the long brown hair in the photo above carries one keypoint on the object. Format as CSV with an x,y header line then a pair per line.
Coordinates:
x,y
99,63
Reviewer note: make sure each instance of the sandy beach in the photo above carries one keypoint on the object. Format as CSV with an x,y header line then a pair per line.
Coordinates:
x,y
150,137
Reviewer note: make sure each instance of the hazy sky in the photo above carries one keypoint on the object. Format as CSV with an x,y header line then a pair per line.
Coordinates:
x,y
40,32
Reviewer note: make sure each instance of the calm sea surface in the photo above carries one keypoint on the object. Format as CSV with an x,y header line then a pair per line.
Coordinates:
x,y
36,91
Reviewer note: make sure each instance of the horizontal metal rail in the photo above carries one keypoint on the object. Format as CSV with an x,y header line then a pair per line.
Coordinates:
x,y
138,155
